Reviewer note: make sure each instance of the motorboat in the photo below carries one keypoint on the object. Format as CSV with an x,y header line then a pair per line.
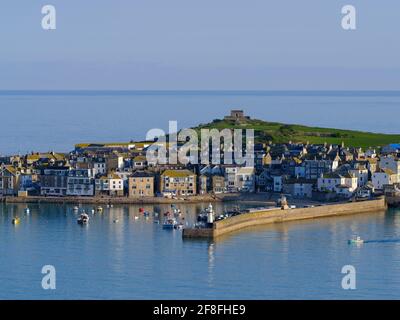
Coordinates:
x,y
16,221
169,223
99,209
356,240
76,209
27,211
83,219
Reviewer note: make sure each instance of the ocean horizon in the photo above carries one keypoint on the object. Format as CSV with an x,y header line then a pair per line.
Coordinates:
x,y
56,120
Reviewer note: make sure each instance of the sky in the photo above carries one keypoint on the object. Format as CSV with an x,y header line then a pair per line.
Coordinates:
x,y
199,45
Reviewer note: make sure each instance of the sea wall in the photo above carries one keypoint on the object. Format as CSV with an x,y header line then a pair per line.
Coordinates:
x,y
277,216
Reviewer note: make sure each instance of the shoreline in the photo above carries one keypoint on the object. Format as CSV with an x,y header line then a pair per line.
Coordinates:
x,y
256,198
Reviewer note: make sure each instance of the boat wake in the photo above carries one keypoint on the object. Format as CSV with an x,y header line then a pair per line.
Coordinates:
x,y
383,241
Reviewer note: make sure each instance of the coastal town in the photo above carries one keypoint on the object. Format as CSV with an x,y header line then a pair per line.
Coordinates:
x,y
320,172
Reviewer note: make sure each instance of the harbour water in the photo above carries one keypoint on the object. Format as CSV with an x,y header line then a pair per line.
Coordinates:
x,y
137,259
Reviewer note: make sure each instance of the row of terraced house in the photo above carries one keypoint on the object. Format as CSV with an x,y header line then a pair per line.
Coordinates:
x,y
123,170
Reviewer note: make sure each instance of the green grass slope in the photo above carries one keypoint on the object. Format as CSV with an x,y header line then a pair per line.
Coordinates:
x,y
281,133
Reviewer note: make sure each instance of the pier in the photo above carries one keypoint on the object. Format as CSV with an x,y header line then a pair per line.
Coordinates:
x,y
278,215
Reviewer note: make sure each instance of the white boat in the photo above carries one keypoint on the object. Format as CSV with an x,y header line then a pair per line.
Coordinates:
x,y
27,211
76,209
83,219
356,240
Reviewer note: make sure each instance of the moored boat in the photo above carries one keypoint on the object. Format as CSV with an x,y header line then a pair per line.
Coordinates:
x,y
169,223
83,219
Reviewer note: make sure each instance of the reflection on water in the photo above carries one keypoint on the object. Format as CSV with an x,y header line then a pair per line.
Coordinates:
x,y
122,254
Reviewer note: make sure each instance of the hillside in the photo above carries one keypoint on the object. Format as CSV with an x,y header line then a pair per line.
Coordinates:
x,y
280,133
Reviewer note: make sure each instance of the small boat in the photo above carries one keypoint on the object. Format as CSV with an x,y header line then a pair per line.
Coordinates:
x,y
99,209
16,221
93,211
83,219
116,221
179,226
136,218
146,214
76,209
27,211
356,240
169,223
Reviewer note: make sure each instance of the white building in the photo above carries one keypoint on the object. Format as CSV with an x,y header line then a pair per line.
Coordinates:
x,y
80,182
100,166
344,185
110,184
383,177
362,175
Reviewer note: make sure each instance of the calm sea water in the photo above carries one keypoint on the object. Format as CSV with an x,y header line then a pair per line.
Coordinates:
x,y
137,259
43,121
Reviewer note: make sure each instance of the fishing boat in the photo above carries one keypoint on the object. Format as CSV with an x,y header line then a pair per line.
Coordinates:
x,y
169,223
83,219
356,240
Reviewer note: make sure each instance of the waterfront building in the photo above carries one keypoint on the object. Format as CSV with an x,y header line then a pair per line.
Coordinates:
x,y
178,182
54,181
110,185
383,177
80,182
141,184
9,180
299,187
341,184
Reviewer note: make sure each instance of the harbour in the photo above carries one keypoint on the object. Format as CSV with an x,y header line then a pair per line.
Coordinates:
x,y
135,258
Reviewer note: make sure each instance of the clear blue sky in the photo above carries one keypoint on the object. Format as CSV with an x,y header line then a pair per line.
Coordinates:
x,y
193,44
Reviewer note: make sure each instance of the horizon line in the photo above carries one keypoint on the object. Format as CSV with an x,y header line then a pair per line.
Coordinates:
x,y
364,92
